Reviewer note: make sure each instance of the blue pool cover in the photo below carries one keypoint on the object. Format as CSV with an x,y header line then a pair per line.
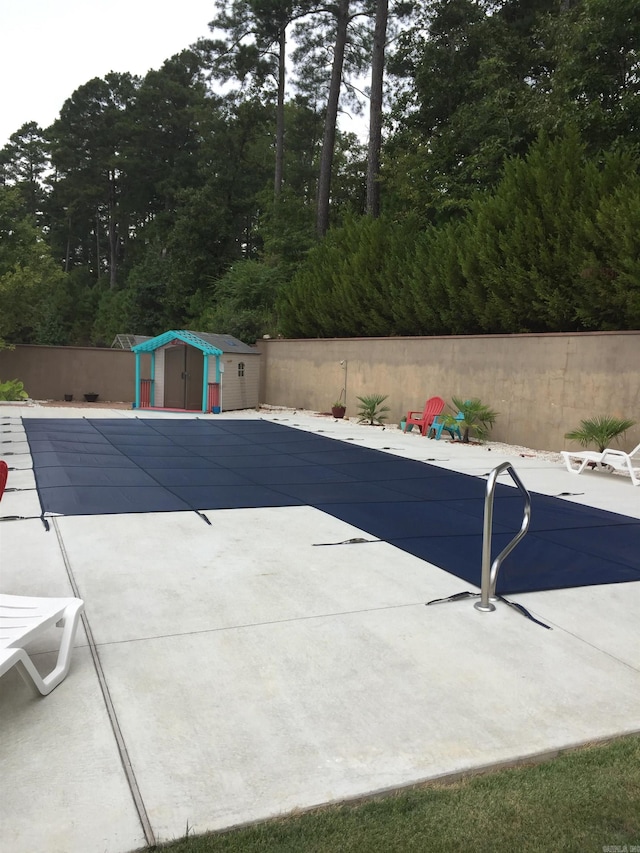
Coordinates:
x,y
93,467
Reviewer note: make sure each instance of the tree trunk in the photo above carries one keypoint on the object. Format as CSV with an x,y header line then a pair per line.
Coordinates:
x,y
67,254
329,138
279,173
375,109
113,234
98,244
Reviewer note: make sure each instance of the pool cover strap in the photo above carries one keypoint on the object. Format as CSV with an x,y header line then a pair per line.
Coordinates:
x,y
458,596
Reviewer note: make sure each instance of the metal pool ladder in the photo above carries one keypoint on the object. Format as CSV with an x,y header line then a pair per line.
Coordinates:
x,y
490,570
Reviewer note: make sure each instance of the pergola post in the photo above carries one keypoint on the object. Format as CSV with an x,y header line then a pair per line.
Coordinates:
x,y
137,402
205,383
219,382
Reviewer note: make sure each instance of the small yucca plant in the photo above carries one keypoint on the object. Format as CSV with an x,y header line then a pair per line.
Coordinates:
x,y
478,418
601,431
371,409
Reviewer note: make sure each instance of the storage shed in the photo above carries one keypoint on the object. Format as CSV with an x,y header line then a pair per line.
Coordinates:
x,y
197,371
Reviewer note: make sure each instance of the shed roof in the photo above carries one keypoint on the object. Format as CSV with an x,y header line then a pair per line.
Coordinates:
x,y
226,343
209,343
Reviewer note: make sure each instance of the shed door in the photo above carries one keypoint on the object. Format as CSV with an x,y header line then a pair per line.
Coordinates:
x,y
183,373
194,369
174,382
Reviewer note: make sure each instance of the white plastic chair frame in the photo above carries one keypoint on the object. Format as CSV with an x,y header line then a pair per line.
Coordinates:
x,y
609,459
23,619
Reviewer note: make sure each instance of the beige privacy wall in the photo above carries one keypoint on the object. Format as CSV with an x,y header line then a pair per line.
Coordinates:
x,y
48,373
541,385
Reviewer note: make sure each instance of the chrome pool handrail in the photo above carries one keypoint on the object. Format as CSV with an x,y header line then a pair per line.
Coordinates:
x,y
490,570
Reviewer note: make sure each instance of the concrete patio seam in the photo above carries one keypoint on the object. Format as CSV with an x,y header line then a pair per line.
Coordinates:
x,y
586,642
127,766
290,620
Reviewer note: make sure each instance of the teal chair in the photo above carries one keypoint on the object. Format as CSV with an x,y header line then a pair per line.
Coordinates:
x,y
435,430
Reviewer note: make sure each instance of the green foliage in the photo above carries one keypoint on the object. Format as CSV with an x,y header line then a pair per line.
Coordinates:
x,y
157,188
478,418
610,271
436,300
286,228
162,135
66,317
12,389
555,247
112,317
473,102
600,430
371,410
348,283
154,296
593,51
27,270
478,81
530,246
23,162
241,303
89,155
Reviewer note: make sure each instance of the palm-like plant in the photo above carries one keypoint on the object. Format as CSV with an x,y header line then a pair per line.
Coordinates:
x,y
601,431
12,389
477,418
371,409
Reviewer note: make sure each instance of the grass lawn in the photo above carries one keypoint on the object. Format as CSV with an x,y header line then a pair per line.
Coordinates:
x,y
586,800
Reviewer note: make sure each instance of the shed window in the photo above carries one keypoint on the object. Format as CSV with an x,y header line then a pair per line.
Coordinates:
x,y
241,368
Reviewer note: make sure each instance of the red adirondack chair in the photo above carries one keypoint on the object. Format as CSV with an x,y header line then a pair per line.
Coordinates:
x,y
424,419
3,476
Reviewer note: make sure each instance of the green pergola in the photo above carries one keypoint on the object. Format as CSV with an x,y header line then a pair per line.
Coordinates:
x,y
192,340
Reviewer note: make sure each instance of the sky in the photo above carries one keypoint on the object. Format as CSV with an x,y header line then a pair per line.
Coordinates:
x,y
48,48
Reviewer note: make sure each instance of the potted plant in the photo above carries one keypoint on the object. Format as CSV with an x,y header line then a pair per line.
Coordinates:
x,y
338,408
91,397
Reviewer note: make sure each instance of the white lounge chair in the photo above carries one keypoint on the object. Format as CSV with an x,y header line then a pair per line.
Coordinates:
x,y
23,619
609,460
628,463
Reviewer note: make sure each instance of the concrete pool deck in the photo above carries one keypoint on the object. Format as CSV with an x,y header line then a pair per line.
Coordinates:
x,y
236,671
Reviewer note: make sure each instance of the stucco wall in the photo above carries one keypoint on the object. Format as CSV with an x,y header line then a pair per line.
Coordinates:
x,y
49,373
542,385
